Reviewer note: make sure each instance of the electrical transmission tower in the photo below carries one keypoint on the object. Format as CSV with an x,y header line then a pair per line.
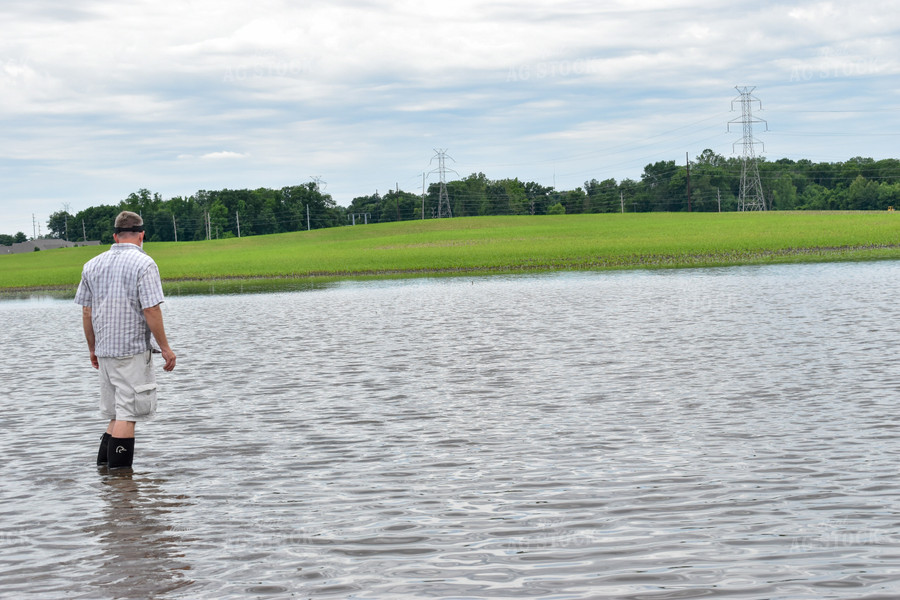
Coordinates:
x,y
443,199
751,195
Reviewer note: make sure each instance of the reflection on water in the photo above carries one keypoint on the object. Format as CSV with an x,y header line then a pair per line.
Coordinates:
x,y
140,555
685,434
258,285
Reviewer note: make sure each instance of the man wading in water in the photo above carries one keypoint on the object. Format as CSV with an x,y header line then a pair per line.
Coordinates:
x,y
120,293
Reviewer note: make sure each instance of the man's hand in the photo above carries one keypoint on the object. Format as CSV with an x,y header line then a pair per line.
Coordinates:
x,y
169,357
89,334
153,315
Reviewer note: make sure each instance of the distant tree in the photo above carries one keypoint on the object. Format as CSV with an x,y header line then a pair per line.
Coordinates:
x,y
96,222
6,240
367,205
497,200
468,197
784,193
888,170
863,194
400,206
301,200
265,222
557,209
815,197
218,220
572,201
656,180
538,197
516,196
20,237
710,159
888,195
603,196
141,202
709,182
58,224
630,190
858,183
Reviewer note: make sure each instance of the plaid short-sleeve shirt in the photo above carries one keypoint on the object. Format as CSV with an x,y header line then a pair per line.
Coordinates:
x,y
118,285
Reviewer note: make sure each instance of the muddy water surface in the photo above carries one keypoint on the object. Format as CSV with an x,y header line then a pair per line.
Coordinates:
x,y
688,434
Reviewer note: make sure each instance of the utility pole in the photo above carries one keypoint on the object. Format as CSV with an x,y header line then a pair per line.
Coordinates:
x,y
687,161
66,208
423,196
443,198
174,227
320,185
622,201
33,227
751,195
83,231
237,218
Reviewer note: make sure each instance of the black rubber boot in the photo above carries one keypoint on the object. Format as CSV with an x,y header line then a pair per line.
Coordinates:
x,y
103,455
120,452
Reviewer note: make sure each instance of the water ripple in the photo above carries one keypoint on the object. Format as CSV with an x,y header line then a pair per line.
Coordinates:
x,y
689,434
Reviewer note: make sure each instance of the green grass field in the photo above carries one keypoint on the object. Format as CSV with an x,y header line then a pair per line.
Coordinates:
x,y
495,245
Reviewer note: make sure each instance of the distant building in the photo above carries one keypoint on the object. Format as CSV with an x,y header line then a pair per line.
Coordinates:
x,y
43,244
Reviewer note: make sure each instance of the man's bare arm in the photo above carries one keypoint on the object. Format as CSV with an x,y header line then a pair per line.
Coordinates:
x,y
154,318
88,326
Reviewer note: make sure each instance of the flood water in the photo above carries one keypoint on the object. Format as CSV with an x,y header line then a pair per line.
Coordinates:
x,y
715,433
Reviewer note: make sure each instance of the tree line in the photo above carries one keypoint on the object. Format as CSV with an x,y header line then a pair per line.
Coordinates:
x,y
710,182
206,214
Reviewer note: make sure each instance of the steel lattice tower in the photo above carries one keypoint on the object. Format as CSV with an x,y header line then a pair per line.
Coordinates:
x,y
751,195
443,198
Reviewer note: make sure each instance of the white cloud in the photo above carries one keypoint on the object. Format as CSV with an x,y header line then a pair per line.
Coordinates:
x,y
108,97
222,155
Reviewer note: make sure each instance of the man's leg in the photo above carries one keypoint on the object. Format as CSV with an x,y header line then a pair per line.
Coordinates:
x,y
103,453
121,429
134,396
107,407
120,452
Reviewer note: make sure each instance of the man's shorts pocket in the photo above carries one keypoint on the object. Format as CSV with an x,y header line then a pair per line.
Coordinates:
x,y
144,399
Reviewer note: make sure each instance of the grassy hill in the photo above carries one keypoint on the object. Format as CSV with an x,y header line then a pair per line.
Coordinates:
x,y
494,244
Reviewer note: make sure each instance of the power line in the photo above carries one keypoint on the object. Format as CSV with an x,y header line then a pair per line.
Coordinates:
x,y
443,199
751,195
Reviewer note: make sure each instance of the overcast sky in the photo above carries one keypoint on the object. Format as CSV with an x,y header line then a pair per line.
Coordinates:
x,y
102,98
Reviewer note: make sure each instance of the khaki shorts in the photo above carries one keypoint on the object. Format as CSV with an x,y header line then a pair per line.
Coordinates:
x,y
128,388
